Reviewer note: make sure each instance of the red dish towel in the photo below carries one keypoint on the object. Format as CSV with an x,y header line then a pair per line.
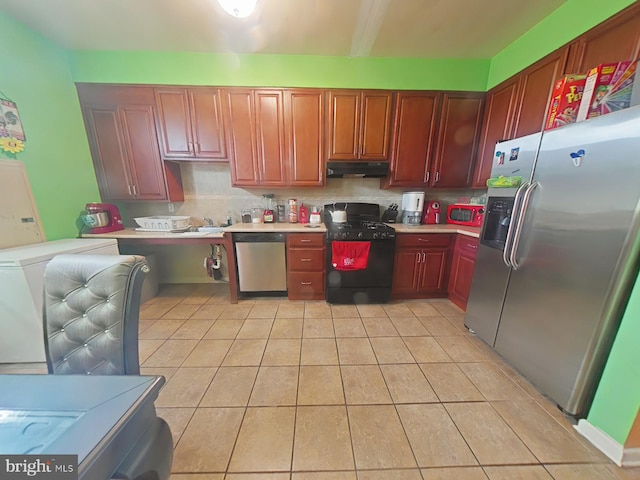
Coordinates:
x,y
350,255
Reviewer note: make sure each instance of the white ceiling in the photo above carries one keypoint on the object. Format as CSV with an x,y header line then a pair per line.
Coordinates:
x,y
377,28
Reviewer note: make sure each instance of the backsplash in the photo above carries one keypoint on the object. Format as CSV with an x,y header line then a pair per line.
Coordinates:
x,y
208,193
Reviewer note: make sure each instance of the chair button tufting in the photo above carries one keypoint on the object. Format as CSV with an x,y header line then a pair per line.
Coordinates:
x,y
63,300
62,329
106,330
84,314
88,373
108,300
86,345
86,285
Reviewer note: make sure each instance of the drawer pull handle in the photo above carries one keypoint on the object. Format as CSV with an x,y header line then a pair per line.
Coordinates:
x,y
423,239
471,245
424,256
305,259
305,283
305,240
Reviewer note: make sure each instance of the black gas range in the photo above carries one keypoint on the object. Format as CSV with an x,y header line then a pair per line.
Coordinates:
x,y
371,281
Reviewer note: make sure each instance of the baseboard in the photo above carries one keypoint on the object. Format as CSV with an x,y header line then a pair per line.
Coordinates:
x,y
601,441
631,457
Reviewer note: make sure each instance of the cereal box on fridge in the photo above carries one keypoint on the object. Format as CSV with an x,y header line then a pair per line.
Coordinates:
x,y
599,80
565,100
623,92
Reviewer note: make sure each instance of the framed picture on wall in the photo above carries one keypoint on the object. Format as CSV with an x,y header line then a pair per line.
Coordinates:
x,y
10,123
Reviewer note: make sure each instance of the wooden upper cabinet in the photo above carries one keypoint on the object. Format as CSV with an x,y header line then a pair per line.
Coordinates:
x,y
191,123
412,139
238,108
376,125
110,161
459,129
496,126
536,84
121,129
270,137
614,40
304,116
358,124
140,139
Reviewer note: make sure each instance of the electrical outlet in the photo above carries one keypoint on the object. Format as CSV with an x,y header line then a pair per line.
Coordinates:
x,y
171,207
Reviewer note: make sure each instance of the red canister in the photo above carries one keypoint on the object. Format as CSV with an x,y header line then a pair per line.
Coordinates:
x,y
304,213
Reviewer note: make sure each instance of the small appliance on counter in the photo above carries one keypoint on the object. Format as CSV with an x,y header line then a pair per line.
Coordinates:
x,y
431,213
268,215
102,218
467,214
412,205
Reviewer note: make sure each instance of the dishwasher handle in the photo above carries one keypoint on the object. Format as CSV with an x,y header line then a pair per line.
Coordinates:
x,y
256,237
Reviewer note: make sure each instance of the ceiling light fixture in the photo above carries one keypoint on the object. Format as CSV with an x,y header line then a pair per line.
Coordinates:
x,y
238,8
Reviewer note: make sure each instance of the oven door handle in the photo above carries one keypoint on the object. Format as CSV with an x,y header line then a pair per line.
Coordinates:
x,y
512,225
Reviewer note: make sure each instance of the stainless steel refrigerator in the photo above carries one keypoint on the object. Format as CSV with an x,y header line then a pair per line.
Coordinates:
x,y
555,269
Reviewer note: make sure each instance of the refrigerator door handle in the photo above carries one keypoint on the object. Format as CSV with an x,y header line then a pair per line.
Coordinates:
x,y
519,223
512,226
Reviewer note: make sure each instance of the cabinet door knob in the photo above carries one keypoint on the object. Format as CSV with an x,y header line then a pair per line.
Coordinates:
x,y
418,257
305,283
424,256
437,179
135,190
305,259
129,189
423,239
305,240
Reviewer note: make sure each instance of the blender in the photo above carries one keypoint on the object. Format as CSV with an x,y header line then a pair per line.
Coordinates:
x,y
268,215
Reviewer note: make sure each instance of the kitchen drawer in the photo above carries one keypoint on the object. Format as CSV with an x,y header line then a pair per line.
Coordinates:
x,y
305,240
424,240
305,285
467,246
305,259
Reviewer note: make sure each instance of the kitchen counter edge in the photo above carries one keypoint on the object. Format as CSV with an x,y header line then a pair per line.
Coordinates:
x,y
468,231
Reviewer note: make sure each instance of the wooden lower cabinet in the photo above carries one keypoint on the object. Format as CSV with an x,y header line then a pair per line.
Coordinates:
x,y
306,266
464,258
421,265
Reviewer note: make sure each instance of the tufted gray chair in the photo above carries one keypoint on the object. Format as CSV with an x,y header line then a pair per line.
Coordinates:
x,y
91,313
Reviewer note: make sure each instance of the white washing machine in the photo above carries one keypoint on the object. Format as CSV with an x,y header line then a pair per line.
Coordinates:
x,y
22,292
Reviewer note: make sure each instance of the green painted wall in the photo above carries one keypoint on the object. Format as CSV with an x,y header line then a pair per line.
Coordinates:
x,y
618,397
278,70
560,27
35,75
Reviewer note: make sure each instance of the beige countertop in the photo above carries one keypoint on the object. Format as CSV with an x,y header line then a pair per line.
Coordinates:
x,y
132,233
277,227
443,228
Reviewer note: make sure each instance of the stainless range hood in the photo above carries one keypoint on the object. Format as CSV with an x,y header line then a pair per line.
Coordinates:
x,y
357,169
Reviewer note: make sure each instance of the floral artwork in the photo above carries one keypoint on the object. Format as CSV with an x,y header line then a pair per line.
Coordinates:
x,y
10,146
10,124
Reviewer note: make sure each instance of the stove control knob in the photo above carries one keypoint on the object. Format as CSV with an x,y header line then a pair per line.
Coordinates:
x,y
344,234
376,235
360,235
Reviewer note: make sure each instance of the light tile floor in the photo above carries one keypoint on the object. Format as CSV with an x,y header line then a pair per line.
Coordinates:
x,y
272,389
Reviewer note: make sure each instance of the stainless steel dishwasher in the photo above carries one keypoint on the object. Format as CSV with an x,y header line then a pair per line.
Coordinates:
x,y
261,260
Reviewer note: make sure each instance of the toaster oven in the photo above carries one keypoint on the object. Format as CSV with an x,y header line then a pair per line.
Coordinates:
x,y
465,214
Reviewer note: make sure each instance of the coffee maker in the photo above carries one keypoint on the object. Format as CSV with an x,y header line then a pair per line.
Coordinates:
x,y
412,204
102,218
